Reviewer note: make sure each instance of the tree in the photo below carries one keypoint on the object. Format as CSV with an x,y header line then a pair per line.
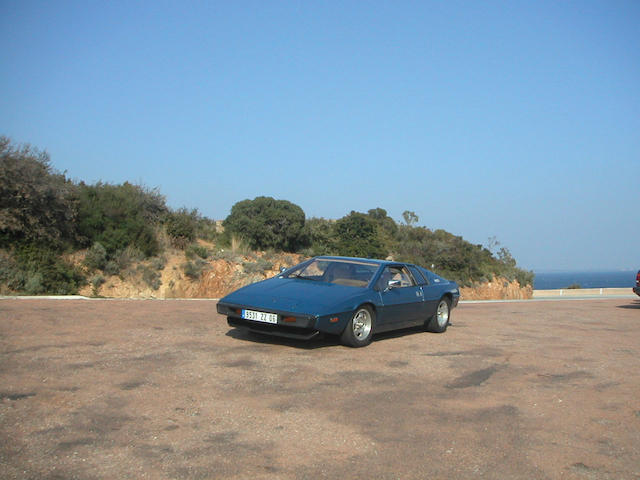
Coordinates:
x,y
265,222
357,236
409,217
384,221
37,204
387,227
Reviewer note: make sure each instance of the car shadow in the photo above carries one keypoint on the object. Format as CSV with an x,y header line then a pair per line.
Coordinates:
x,y
253,337
633,306
380,337
322,341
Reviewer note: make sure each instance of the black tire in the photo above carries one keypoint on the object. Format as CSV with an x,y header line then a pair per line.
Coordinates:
x,y
359,330
439,322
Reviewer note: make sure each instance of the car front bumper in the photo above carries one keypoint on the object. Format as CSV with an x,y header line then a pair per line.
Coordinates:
x,y
290,324
276,329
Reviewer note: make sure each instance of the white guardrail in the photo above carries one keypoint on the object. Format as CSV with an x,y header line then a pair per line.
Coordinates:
x,y
584,292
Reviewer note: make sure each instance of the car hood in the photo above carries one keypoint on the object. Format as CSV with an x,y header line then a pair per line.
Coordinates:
x,y
296,296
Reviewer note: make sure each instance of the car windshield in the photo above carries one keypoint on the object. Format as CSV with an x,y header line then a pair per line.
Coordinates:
x,y
353,273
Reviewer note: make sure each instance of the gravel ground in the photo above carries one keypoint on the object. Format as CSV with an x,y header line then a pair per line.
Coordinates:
x,y
165,389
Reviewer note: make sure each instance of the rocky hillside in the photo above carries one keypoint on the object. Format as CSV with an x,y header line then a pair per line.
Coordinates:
x,y
223,272
181,277
497,289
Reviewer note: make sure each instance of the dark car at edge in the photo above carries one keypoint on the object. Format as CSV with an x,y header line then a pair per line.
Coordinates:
x,y
352,298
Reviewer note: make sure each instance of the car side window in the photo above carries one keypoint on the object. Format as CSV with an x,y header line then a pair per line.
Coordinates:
x,y
417,274
395,273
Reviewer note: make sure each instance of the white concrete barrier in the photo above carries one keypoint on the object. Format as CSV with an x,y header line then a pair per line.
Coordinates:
x,y
583,292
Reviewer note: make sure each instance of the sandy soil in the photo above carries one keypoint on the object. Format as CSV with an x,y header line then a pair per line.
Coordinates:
x,y
164,389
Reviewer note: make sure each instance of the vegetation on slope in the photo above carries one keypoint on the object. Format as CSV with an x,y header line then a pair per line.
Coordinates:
x,y
57,235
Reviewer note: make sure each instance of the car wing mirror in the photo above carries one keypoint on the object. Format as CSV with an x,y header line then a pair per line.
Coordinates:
x,y
392,284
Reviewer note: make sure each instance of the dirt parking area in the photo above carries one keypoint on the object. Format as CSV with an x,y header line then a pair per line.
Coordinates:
x,y
165,389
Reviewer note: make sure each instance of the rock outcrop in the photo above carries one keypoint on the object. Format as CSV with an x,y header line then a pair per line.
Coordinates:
x,y
497,289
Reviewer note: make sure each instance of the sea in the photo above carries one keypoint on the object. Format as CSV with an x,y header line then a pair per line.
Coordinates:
x,y
557,280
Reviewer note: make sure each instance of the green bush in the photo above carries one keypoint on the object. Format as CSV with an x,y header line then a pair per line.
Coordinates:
x,y
44,271
227,255
120,216
207,229
96,257
38,203
265,222
455,258
181,226
387,227
96,282
258,266
357,236
150,277
112,268
195,250
126,257
34,284
321,237
194,269
158,263
11,276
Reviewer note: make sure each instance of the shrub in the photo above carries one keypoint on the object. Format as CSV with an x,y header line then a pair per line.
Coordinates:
x,y
125,257
10,274
150,277
33,284
112,268
119,216
207,229
181,227
265,222
96,282
321,236
357,236
158,263
38,203
44,271
455,258
96,257
227,255
195,250
257,267
387,227
193,270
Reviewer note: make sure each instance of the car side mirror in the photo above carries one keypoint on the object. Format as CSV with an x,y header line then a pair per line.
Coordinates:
x,y
283,269
393,284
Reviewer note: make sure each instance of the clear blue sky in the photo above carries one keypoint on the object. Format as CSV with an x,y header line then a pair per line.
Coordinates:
x,y
519,120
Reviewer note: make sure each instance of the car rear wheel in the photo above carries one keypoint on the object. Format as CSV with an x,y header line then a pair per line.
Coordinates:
x,y
359,330
439,322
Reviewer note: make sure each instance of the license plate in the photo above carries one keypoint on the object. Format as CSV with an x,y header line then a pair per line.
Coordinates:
x,y
260,316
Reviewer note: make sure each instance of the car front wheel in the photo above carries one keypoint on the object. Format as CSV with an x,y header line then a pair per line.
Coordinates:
x,y
439,322
359,330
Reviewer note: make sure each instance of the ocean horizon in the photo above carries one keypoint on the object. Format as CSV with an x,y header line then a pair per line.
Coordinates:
x,y
586,279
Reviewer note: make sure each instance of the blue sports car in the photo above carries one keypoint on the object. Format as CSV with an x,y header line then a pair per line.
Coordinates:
x,y
350,297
